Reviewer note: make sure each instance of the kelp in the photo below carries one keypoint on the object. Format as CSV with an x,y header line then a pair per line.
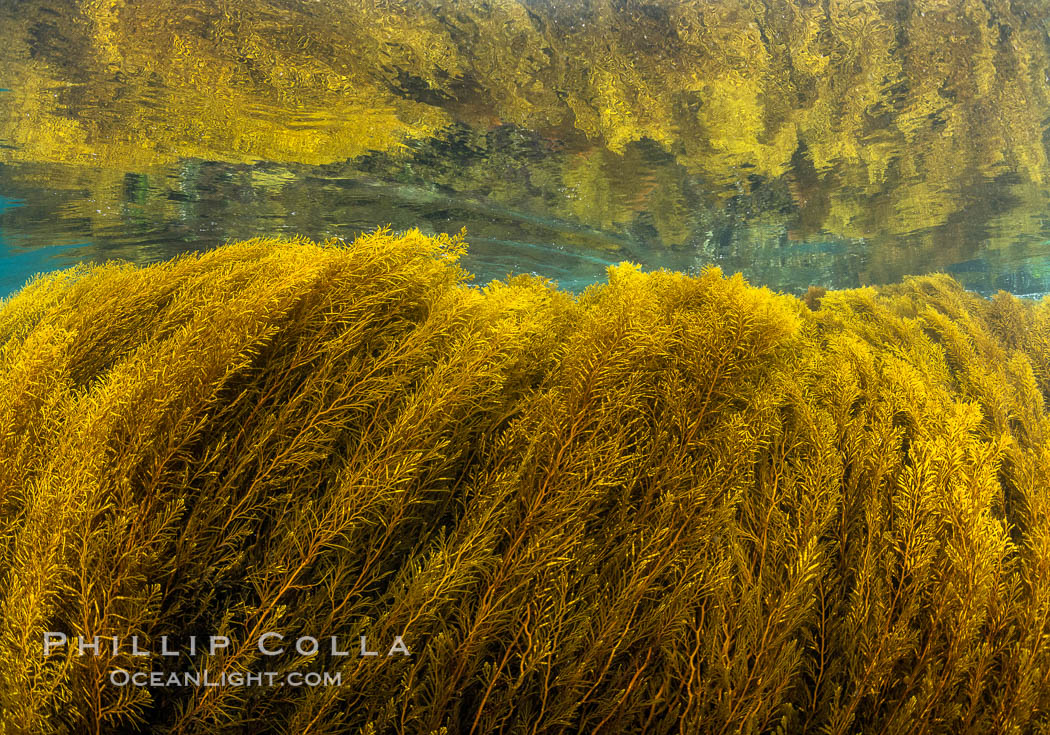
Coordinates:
x,y
671,504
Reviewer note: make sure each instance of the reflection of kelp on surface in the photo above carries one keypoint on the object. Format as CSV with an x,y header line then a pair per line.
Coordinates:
x,y
898,108
671,501
155,82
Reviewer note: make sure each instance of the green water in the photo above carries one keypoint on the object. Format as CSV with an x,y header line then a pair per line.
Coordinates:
x,y
833,144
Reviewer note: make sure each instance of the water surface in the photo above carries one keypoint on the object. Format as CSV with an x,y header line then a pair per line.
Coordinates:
x,y
834,144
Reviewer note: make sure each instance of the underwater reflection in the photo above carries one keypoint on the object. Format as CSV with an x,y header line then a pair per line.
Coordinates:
x,y
801,143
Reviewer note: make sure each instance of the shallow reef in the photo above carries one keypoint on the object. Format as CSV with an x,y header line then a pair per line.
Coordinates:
x,y
670,503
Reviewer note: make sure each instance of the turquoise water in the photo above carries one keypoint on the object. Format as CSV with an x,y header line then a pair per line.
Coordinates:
x,y
20,261
149,218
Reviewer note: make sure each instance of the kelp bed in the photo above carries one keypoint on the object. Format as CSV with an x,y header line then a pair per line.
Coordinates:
x,y
669,504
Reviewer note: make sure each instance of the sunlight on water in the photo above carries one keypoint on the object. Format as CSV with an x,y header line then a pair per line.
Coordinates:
x,y
800,143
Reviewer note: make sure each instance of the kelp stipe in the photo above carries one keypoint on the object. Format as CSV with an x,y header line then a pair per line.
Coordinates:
x,y
669,504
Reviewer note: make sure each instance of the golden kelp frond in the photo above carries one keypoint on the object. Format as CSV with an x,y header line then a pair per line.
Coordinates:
x,y
671,503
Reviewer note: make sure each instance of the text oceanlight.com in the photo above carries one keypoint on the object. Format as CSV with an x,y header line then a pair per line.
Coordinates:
x,y
205,678
267,644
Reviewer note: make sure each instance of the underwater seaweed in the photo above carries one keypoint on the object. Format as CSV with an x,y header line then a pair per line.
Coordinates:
x,y
671,504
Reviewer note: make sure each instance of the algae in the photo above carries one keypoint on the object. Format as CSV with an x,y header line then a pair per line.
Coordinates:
x,y
671,503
